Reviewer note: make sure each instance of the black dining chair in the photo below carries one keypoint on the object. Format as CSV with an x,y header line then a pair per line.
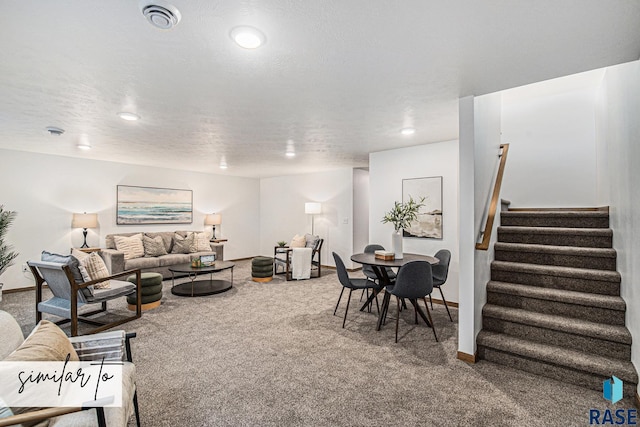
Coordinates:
x,y
351,284
368,270
440,273
414,281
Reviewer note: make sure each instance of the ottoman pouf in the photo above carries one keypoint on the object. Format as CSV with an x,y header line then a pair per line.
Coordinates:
x,y
151,291
262,269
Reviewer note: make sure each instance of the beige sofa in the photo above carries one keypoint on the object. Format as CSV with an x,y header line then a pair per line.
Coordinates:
x,y
116,263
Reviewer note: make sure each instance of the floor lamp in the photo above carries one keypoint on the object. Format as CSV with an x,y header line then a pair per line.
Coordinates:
x,y
312,208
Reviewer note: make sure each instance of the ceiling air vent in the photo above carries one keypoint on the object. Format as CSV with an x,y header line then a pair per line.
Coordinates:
x,y
163,17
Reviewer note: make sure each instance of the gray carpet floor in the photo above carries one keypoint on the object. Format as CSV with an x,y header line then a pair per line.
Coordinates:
x,y
273,354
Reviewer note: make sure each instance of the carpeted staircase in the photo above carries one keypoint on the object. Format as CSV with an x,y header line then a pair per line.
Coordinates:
x,y
553,302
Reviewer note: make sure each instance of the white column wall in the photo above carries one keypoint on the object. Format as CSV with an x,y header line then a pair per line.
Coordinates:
x,y
45,190
282,214
360,209
618,138
552,152
387,169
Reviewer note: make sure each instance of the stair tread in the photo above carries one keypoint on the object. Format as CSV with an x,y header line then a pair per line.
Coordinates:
x,y
561,250
571,297
561,356
556,230
586,273
557,214
614,333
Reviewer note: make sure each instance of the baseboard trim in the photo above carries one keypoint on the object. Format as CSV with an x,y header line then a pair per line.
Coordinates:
x,y
466,357
28,288
449,303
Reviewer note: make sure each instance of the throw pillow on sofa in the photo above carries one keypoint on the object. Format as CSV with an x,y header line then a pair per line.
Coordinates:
x,y
153,246
202,242
131,246
183,245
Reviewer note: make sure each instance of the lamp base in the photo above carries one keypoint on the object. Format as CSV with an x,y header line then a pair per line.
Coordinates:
x,y
84,233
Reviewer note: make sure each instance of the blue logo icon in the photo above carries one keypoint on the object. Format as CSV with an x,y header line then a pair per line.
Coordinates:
x,y
612,389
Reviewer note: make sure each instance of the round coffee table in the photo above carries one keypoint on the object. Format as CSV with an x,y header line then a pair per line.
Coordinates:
x,y
196,288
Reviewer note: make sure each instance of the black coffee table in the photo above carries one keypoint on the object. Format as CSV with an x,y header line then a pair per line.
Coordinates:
x,y
196,288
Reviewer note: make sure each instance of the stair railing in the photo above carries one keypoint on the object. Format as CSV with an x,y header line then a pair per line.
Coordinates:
x,y
495,198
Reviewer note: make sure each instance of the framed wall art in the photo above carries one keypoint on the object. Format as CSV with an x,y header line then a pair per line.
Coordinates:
x,y
150,205
429,222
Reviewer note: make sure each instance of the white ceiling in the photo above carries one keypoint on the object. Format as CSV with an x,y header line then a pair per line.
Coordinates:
x,y
339,78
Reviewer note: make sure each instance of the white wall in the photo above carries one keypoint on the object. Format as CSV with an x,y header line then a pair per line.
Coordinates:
x,y
45,190
619,138
360,209
282,214
552,152
387,169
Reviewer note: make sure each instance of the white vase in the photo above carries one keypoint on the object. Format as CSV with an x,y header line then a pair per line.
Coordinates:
x,y
396,244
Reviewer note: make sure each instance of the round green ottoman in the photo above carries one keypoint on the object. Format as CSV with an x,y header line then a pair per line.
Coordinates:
x,y
262,269
151,291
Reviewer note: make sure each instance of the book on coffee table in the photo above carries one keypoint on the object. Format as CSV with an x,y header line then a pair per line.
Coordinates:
x,y
384,255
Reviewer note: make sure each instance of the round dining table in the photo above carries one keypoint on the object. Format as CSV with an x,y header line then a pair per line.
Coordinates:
x,y
380,268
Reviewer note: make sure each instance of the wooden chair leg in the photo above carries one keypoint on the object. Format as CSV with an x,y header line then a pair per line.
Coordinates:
x,y
445,303
433,326
397,317
136,408
339,298
347,309
431,301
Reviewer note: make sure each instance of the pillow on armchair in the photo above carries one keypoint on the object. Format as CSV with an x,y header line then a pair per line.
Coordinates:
x,y
297,242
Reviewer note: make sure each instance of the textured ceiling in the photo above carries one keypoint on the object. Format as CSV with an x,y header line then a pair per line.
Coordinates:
x,y
338,78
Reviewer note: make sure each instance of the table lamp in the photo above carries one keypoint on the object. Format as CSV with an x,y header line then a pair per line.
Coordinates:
x,y
84,221
213,220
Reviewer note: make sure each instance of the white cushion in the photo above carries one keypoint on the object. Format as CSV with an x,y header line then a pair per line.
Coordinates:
x,y
131,246
94,268
202,242
298,242
11,334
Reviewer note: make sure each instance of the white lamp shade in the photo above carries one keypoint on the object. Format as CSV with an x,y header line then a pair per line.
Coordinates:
x,y
312,208
213,219
84,220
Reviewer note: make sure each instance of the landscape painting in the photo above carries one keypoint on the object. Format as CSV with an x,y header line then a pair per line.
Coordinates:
x,y
429,221
150,205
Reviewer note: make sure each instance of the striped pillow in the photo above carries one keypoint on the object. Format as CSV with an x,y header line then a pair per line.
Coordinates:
x,y
153,246
94,268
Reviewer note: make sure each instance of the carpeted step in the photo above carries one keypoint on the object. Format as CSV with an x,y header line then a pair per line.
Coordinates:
x,y
590,337
563,256
569,219
557,236
605,309
570,366
570,279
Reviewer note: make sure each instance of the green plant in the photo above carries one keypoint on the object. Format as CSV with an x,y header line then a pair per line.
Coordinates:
x,y
403,214
6,254
282,243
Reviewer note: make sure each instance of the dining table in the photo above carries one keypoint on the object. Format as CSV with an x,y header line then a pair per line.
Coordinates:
x,y
380,268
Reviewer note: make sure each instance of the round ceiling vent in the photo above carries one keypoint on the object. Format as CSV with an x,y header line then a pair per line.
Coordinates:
x,y
163,17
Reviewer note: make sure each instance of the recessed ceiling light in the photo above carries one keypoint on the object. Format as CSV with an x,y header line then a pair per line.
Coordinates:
x,y
84,143
408,131
247,37
290,154
223,166
128,116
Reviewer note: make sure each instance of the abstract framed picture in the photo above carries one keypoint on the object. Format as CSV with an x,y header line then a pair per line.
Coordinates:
x,y
429,222
150,205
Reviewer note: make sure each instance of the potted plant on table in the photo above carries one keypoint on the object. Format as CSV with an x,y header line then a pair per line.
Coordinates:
x,y
401,216
7,255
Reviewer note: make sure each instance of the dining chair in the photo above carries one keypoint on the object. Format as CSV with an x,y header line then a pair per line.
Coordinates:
x,y
414,281
440,273
351,284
